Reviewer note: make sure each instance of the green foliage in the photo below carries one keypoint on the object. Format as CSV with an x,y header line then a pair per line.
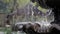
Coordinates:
x,y
22,3
42,9
6,6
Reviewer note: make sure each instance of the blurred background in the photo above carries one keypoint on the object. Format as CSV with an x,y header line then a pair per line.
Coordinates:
x,y
14,11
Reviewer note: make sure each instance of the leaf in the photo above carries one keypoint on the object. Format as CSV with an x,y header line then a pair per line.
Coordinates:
x,y
42,9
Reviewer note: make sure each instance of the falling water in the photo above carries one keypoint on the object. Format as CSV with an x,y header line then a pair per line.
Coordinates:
x,y
28,16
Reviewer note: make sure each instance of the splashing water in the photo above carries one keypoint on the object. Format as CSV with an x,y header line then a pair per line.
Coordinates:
x,y
31,14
